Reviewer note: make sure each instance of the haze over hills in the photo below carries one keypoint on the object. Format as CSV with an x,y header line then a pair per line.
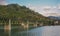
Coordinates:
x,y
54,17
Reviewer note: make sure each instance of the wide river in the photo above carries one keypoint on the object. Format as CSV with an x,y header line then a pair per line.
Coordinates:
x,y
40,31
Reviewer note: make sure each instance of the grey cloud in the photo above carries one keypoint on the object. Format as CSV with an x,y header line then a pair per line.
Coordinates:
x,y
2,2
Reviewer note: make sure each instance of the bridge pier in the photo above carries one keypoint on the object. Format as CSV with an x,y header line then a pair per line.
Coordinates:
x,y
7,28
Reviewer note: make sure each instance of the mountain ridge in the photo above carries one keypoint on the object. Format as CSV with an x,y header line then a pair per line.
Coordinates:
x,y
54,17
22,13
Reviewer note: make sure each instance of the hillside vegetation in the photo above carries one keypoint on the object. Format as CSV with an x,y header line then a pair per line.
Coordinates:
x,y
21,13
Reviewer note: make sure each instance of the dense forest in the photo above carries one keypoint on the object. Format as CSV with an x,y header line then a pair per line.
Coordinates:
x,y
19,13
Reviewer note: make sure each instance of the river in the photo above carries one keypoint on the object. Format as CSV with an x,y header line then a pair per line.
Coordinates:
x,y
40,31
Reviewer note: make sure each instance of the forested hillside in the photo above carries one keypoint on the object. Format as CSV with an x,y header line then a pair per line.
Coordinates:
x,y
22,13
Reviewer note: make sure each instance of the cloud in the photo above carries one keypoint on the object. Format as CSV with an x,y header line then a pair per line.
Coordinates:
x,y
46,10
3,2
58,6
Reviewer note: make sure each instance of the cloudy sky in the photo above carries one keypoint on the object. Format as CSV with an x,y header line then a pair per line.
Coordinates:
x,y
45,7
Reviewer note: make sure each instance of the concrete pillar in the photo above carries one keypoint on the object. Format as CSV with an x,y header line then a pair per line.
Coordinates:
x,y
7,28
35,25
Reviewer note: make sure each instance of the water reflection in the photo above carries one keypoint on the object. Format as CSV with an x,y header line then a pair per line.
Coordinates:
x,y
40,31
51,31
46,31
2,32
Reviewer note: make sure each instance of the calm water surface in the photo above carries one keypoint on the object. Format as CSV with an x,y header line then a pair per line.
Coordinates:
x,y
40,31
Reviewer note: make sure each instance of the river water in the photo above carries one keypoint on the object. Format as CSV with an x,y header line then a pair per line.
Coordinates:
x,y
40,31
